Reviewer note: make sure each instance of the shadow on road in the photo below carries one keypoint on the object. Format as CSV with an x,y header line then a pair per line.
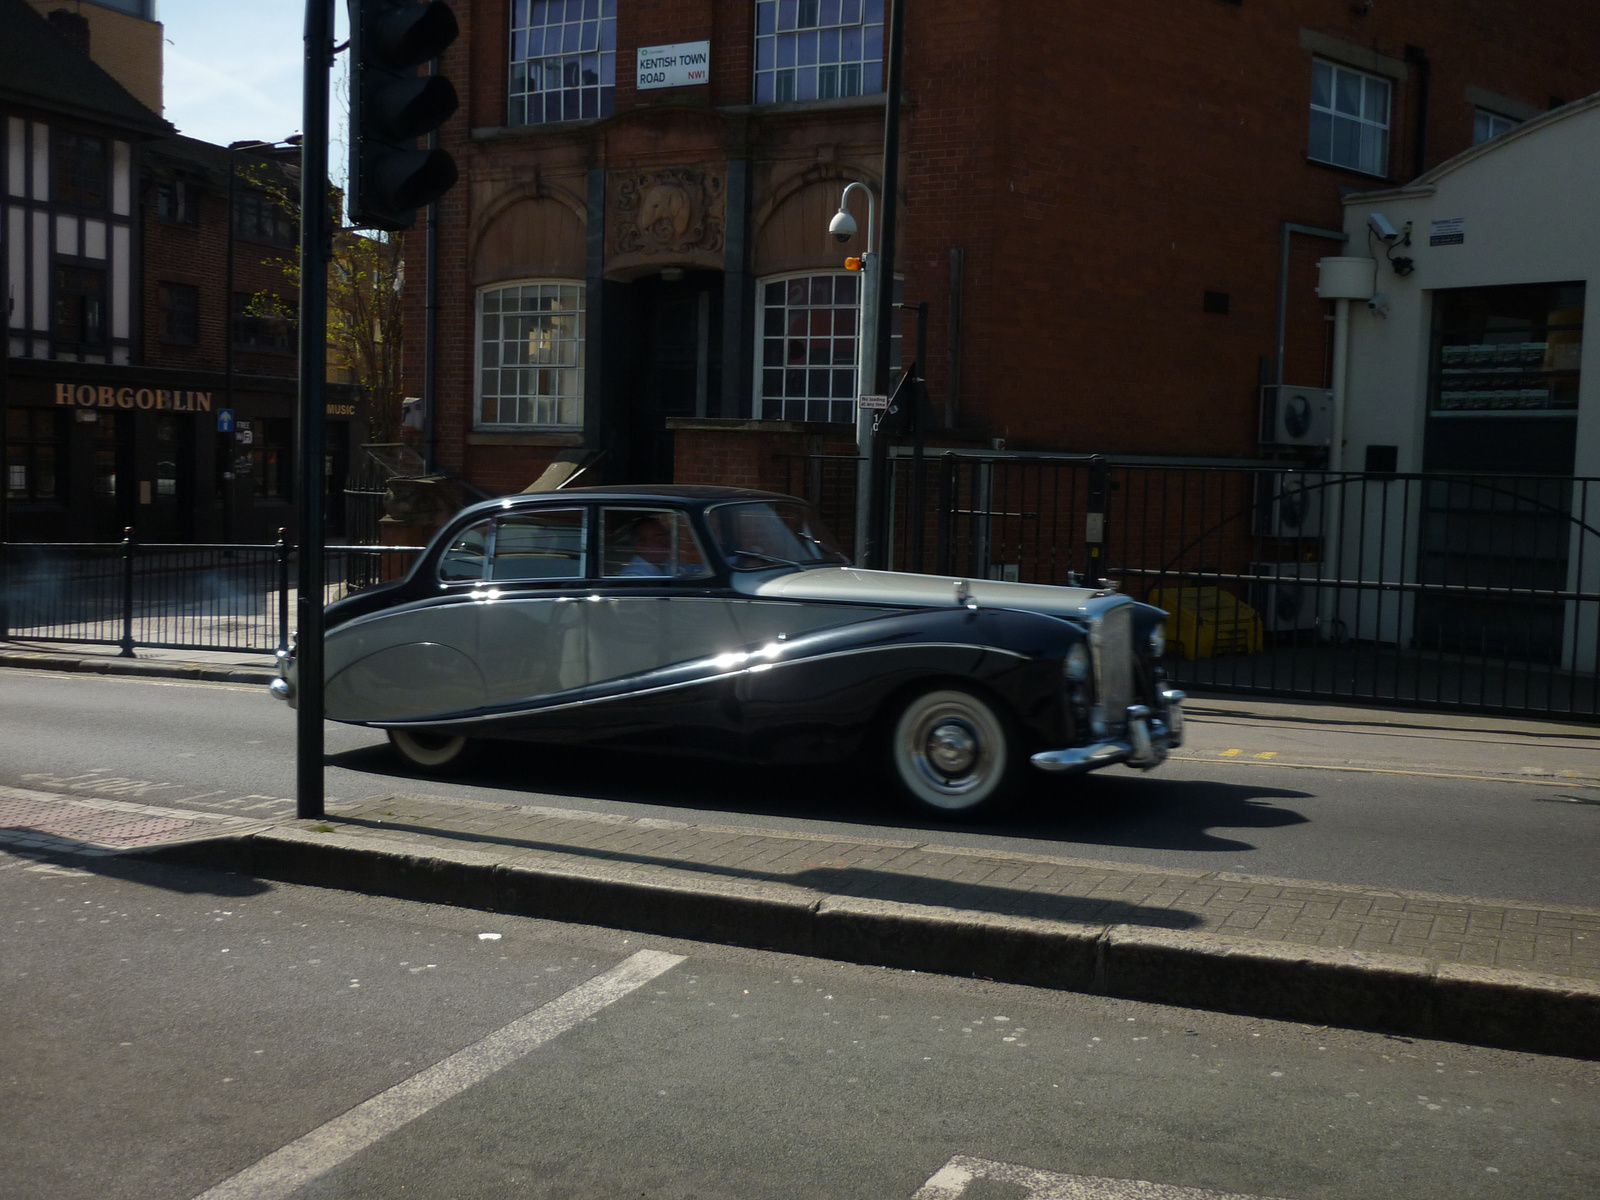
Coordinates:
x,y
73,855
853,881
1108,809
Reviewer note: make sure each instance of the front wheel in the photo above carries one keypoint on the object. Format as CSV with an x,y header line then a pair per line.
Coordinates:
x,y
954,754
433,753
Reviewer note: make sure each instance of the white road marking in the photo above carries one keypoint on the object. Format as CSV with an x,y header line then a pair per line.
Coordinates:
x,y
286,1170
951,1181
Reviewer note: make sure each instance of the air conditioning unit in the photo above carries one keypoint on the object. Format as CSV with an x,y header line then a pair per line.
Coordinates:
x,y
1287,602
1290,504
1296,416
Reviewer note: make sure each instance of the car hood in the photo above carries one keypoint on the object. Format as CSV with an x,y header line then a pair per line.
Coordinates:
x,y
923,591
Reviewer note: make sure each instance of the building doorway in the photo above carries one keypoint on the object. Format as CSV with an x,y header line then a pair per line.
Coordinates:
x,y
113,468
675,363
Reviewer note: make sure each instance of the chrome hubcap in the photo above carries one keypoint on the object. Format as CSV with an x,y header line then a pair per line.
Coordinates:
x,y
952,748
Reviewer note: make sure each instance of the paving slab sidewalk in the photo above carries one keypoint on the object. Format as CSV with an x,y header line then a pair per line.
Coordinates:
x,y
1493,972
214,666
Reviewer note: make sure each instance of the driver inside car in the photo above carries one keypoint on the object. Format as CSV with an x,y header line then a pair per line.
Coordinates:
x,y
652,549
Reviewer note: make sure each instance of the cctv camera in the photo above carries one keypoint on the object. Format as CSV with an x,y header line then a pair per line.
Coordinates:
x,y
1380,226
842,227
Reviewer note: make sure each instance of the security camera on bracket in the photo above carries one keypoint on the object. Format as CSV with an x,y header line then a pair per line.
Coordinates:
x,y
1378,224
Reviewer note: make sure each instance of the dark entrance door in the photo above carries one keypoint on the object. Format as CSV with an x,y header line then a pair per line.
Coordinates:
x,y
675,334
167,513
114,468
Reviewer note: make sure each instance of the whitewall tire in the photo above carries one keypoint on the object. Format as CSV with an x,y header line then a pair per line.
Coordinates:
x,y
433,753
953,754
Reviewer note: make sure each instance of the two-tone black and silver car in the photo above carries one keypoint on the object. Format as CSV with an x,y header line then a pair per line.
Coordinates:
x,y
727,623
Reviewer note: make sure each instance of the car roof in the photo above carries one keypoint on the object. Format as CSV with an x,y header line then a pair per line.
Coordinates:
x,y
691,495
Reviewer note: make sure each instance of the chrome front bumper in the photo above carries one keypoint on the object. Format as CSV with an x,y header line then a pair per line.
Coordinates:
x,y
1146,744
283,686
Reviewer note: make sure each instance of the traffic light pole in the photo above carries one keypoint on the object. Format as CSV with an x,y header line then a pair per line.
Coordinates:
x,y
315,251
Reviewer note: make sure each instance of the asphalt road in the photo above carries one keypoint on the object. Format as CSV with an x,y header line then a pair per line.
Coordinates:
x,y
1462,805
169,1031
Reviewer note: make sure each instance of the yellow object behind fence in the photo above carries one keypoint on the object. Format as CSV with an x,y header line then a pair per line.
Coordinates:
x,y
1207,621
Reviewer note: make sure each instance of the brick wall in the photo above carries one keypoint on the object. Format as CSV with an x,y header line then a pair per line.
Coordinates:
x,y
197,256
1101,166
750,454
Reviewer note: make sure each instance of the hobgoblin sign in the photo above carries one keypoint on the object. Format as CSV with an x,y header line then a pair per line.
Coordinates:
x,y
162,399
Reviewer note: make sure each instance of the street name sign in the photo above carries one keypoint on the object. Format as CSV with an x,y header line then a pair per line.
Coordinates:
x,y
681,64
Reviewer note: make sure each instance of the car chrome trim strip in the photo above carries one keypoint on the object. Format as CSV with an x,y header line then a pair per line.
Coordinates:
x,y
615,693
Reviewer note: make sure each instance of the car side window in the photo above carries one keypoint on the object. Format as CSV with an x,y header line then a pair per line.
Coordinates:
x,y
464,560
651,543
546,544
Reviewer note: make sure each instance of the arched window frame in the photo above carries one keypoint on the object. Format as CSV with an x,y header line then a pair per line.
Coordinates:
x,y
547,389
834,408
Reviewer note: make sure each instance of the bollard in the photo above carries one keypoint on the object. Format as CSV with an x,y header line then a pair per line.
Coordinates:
x,y
127,593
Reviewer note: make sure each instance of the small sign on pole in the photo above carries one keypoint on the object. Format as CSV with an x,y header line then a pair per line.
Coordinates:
x,y
224,420
873,401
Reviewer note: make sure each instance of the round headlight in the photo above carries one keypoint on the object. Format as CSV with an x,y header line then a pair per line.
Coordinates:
x,y
1076,666
1158,639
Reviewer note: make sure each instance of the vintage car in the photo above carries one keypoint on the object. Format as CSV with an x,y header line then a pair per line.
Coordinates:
x,y
725,622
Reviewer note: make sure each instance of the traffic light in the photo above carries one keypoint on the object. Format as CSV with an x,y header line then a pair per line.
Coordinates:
x,y
391,106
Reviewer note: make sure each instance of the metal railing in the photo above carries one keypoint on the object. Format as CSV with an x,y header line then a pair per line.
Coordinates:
x,y
186,596
1452,590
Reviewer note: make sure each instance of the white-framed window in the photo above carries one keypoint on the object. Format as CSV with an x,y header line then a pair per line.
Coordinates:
x,y
530,355
563,60
809,334
818,49
808,341
1349,118
1486,124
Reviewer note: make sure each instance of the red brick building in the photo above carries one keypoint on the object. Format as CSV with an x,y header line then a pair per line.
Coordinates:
x,y
115,243
1095,204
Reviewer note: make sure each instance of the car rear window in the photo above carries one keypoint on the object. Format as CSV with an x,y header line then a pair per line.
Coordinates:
x,y
464,560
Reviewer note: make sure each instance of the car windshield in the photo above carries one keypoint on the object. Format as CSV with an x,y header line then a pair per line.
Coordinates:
x,y
757,535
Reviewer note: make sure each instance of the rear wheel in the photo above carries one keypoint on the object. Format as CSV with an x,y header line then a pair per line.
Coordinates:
x,y
433,753
954,754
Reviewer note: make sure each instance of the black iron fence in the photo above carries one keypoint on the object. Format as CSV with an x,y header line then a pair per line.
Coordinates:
x,y
1469,591
190,596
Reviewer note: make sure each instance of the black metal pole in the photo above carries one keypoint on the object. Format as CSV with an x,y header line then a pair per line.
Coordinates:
x,y
877,509
315,250
227,360
126,641
430,319
919,419
5,444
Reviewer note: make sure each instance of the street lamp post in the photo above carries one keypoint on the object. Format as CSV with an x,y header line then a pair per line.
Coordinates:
x,y
843,228
876,556
290,142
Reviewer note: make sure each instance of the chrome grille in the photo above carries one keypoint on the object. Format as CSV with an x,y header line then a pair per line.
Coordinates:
x,y
1114,663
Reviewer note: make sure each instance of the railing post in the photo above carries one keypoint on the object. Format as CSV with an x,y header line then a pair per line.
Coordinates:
x,y
947,500
283,589
1094,534
127,592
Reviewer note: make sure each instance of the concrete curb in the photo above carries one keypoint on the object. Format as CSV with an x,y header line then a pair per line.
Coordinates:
x,y
144,668
1387,993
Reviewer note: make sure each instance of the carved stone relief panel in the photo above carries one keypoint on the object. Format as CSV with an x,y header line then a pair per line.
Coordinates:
x,y
676,212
